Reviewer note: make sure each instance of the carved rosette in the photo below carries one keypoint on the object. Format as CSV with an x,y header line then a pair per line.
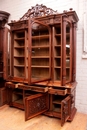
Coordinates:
x,y
3,18
38,11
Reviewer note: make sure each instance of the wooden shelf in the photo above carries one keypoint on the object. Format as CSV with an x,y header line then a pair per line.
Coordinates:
x,y
57,101
18,56
40,57
57,110
40,66
18,39
20,101
19,65
18,93
47,46
40,37
19,47
57,67
57,45
57,35
57,56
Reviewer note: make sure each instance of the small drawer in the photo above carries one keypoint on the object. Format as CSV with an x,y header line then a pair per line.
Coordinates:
x,y
10,85
39,88
33,88
57,91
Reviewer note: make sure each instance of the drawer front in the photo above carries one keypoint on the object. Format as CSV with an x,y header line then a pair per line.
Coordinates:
x,y
10,85
57,91
33,88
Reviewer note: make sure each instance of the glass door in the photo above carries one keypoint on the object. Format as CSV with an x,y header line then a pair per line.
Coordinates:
x,y
68,52
39,52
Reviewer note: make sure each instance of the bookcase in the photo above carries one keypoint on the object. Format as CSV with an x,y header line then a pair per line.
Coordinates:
x,y
42,59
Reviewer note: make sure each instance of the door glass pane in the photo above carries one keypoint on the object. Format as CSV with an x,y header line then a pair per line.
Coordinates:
x,y
67,52
8,52
40,53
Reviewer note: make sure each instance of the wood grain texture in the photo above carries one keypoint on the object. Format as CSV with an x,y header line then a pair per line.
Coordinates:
x,y
13,119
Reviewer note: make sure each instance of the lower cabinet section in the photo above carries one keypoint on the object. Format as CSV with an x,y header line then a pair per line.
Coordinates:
x,y
38,99
59,107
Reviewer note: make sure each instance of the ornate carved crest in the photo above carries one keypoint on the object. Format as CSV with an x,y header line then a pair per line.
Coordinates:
x,y
38,11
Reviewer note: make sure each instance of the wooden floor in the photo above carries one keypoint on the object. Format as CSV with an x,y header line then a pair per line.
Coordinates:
x,y
13,119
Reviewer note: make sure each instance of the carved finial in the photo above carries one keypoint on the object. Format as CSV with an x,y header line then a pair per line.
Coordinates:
x,y
65,11
71,9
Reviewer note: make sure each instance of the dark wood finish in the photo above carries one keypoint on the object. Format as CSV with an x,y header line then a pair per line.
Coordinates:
x,y
3,65
3,93
35,105
43,63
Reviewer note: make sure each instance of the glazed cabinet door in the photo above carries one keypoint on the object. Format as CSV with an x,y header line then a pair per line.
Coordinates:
x,y
67,51
65,109
35,105
39,52
18,56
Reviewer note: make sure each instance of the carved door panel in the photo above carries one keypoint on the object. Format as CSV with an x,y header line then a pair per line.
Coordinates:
x,y
65,109
35,105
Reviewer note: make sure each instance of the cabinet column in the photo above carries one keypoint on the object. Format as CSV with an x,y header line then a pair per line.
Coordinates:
x,y
64,52
74,53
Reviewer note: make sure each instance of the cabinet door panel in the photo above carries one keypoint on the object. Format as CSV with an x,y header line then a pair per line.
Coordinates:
x,y
35,105
39,52
65,109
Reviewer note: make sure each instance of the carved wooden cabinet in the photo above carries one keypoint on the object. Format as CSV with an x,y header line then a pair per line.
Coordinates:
x,y
42,63
3,20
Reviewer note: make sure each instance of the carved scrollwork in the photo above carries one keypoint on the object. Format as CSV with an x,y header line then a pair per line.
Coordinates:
x,y
36,105
38,11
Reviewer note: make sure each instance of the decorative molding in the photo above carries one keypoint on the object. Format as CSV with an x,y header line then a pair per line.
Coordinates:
x,y
38,11
3,18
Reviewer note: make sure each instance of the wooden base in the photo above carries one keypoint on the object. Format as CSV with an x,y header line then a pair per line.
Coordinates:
x,y
52,114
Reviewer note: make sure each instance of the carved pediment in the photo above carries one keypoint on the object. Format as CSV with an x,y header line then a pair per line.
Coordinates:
x,y
38,11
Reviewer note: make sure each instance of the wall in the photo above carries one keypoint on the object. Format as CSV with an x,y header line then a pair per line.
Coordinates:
x,y
19,7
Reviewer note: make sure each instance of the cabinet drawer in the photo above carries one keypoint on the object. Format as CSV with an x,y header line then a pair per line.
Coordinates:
x,y
57,91
10,85
34,88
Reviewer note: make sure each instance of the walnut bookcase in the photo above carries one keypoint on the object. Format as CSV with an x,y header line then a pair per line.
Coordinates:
x,y
43,63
